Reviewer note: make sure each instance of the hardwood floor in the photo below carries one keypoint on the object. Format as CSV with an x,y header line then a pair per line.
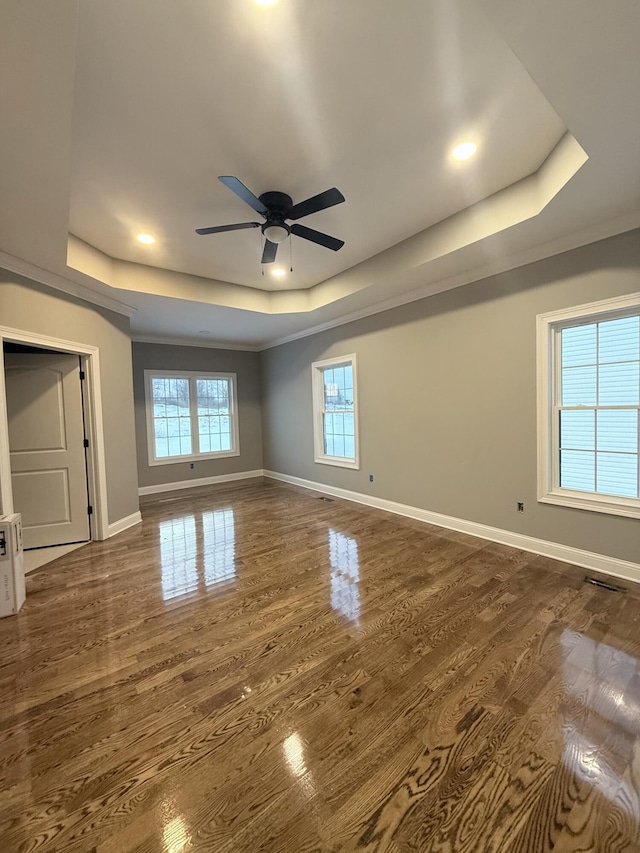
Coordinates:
x,y
255,669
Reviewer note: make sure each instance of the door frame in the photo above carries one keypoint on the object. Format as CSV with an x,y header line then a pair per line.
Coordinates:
x,y
92,399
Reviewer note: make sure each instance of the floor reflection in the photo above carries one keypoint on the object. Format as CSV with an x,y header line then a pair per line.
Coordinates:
x,y
293,748
195,549
219,546
600,740
345,574
178,551
176,839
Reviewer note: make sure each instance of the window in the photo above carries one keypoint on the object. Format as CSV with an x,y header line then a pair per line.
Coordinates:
x,y
334,411
589,407
190,416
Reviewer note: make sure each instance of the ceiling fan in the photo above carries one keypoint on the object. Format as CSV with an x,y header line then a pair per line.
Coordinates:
x,y
277,207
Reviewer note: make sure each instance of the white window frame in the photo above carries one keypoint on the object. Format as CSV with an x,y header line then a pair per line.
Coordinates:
x,y
549,327
317,375
191,375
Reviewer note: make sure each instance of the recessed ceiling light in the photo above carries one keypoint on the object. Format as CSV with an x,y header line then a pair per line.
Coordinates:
x,y
278,273
266,2
147,239
464,150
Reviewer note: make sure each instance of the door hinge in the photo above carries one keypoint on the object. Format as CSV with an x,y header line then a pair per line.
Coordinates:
x,y
82,375
85,442
89,510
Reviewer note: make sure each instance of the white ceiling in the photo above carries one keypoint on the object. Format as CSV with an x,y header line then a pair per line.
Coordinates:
x,y
124,113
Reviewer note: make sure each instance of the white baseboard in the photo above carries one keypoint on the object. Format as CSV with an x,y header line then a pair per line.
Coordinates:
x,y
123,524
202,481
586,559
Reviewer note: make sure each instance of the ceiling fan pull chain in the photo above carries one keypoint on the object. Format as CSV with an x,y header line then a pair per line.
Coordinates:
x,y
290,254
262,240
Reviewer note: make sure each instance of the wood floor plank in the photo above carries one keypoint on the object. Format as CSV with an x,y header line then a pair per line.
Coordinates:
x,y
254,669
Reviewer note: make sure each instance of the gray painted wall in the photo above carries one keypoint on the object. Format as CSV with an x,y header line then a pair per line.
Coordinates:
x,y
31,307
169,357
447,397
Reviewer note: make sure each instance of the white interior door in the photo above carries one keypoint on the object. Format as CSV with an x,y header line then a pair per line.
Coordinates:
x,y
46,443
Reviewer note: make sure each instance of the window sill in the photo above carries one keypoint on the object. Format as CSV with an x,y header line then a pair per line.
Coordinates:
x,y
337,462
574,500
201,457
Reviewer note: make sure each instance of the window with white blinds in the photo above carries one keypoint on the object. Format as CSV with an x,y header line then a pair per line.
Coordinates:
x,y
592,440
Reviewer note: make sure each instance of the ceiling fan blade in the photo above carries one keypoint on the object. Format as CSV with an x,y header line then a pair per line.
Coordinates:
x,y
243,192
269,252
217,229
317,237
317,202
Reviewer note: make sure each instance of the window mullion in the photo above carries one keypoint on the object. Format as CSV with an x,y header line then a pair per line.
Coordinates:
x,y
193,412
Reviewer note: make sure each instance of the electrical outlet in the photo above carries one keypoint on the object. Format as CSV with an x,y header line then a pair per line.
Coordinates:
x,y
371,478
520,506
192,465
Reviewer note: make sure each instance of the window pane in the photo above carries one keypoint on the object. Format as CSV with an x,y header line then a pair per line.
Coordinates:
x,y
579,345
618,430
178,433
349,425
338,388
214,420
174,446
579,386
619,384
162,448
618,474
213,396
348,376
349,447
577,430
172,424
578,470
619,340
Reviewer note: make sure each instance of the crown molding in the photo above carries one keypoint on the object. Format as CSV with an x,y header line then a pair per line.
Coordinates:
x,y
57,282
192,342
594,234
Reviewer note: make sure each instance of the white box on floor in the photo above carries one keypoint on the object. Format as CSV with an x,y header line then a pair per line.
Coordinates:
x,y
12,586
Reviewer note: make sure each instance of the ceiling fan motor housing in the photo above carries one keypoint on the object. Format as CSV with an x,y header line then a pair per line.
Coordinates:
x,y
277,206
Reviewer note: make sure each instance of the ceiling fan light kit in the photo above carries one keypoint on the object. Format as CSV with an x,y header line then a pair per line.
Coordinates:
x,y
276,232
275,208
